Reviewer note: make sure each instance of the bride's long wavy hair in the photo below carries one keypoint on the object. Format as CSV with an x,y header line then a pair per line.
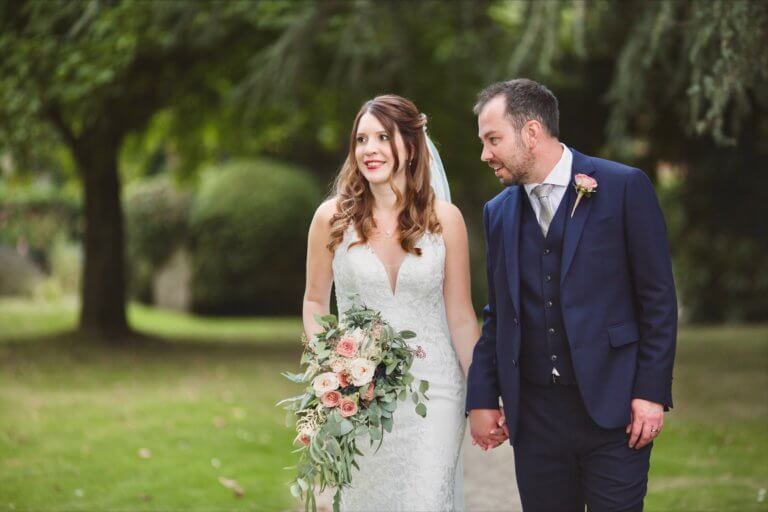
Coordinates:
x,y
354,200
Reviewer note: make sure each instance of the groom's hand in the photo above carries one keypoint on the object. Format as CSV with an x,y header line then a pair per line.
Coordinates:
x,y
646,422
488,428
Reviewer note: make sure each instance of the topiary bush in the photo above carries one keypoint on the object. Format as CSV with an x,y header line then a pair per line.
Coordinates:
x,y
157,222
249,227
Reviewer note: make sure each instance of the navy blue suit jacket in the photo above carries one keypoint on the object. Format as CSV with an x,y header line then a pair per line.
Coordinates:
x,y
617,298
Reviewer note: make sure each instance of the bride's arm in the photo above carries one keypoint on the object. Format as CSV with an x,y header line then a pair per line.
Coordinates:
x,y
317,291
462,321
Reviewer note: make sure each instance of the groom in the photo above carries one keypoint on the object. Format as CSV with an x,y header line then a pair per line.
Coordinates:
x,y
579,333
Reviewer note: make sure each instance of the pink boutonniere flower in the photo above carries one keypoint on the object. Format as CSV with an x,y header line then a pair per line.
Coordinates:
x,y
585,186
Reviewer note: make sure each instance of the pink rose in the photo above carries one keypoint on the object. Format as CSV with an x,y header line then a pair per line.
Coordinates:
x,y
585,182
331,399
347,407
585,186
370,393
347,347
343,379
302,438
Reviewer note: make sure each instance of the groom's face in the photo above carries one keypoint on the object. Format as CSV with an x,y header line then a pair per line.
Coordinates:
x,y
503,147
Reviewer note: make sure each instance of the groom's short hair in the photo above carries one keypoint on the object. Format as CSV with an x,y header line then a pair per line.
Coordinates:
x,y
525,100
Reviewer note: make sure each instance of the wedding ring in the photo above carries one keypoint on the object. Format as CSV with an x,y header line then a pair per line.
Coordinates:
x,y
655,430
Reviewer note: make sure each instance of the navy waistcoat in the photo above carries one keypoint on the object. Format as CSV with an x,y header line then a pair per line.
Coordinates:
x,y
544,344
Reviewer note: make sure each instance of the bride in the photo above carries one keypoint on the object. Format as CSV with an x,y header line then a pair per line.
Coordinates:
x,y
386,239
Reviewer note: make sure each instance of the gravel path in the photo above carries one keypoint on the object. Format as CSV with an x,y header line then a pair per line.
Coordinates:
x,y
489,481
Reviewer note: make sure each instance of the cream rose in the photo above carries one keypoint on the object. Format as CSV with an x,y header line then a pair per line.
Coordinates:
x,y
324,383
359,336
361,370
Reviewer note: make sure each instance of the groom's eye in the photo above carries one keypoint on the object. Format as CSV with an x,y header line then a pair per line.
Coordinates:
x,y
494,140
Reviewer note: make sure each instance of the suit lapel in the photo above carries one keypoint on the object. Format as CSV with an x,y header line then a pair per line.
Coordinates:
x,y
511,220
574,226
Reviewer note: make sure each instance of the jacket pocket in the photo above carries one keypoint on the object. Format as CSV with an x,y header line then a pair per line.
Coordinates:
x,y
623,334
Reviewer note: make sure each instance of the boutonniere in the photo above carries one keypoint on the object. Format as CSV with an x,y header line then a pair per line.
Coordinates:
x,y
585,186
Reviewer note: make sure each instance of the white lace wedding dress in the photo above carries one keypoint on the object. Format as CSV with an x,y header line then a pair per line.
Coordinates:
x,y
418,468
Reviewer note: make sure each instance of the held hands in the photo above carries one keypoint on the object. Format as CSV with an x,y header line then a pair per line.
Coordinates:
x,y
488,428
646,422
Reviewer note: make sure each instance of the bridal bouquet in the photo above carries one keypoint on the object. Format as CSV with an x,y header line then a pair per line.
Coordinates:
x,y
356,372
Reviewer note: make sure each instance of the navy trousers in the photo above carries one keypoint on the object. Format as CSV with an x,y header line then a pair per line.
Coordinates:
x,y
564,461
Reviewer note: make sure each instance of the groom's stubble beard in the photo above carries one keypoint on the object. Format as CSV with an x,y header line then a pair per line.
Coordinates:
x,y
520,168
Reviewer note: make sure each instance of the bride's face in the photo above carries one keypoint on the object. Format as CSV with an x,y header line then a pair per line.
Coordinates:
x,y
373,151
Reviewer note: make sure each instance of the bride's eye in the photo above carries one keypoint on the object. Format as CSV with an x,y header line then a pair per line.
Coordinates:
x,y
384,136
360,139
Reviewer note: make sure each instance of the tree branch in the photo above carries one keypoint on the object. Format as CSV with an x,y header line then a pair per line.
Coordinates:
x,y
52,112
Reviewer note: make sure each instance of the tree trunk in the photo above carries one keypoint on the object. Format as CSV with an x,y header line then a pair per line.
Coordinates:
x,y
103,290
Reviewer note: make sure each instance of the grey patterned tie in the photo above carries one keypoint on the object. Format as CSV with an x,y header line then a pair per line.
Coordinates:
x,y
545,210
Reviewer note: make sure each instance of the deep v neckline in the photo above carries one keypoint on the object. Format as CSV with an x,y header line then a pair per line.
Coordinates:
x,y
387,276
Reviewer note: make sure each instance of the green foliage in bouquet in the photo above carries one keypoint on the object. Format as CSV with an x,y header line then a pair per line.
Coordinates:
x,y
356,372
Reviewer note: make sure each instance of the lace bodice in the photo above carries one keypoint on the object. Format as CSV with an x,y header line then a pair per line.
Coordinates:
x,y
418,466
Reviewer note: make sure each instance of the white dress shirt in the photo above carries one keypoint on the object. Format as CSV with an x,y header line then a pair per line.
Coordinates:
x,y
559,177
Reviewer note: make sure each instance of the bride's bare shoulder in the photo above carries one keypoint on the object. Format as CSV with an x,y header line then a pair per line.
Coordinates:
x,y
448,215
324,212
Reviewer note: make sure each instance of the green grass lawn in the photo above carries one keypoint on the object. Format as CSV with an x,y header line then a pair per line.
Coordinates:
x,y
74,416
713,454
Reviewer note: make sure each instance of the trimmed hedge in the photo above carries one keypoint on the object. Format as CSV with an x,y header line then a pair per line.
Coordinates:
x,y
249,227
157,222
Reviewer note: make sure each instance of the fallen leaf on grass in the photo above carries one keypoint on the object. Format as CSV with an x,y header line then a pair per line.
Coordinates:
x,y
232,484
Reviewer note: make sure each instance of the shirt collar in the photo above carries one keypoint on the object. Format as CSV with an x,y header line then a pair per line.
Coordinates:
x,y
560,175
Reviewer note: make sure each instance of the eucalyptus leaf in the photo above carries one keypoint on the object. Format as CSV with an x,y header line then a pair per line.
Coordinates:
x,y
298,378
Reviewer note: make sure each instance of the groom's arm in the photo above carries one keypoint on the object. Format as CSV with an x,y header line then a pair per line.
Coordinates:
x,y
654,288
482,383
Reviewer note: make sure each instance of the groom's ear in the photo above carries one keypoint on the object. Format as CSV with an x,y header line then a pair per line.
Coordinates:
x,y
532,133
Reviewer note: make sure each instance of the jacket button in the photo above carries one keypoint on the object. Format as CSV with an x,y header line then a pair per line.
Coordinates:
x,y
515,321
551,330
554,358
514,363
547,278
549,303
547,251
